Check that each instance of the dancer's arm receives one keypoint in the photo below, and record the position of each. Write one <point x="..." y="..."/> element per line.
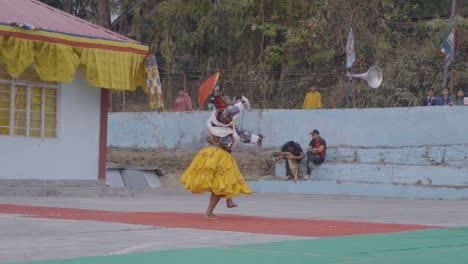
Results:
<point x="248" y="137"/>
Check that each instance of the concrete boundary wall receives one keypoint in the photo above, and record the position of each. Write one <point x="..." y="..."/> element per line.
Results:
<point x="419" y="152"/>
<point x="387" y="127"/>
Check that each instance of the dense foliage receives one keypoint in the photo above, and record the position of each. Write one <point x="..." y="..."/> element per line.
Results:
<point x="268" y="49"/>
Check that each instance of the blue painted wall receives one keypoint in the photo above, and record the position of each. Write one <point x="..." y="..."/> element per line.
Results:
<point x="419" y="152"/>
<point x="153" y="130"/>
<point x="417" y="126"/>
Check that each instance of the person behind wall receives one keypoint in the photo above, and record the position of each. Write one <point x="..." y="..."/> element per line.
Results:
<point x="293" y="154"/>
<point x="211" y="105"/>
<point x="213" y="169"/>
<point x="458" y="100"/>
<point x="316" y="151"/>
<point x="183" y="102"/>
<point x="313" y="99"/>
<point x="429" y="99"/>
<point x="445" y="99"/>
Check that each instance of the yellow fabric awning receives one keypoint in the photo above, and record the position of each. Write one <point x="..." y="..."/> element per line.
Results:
<point x="55" y="56"/>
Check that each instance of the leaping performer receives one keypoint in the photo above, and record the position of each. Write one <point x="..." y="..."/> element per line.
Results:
<point x="214" y="169"/>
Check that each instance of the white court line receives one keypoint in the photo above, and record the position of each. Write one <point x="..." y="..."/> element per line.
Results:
<point x="10" y="216"/>
<point x="145" y="245"/>
<point x="198" y="240"/>
<point x="133" y="248"/>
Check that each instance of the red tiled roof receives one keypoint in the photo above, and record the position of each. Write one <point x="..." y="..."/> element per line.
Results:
<point x="41" y="15"/>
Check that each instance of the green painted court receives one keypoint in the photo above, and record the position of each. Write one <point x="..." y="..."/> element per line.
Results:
<point x="423" y="246"/>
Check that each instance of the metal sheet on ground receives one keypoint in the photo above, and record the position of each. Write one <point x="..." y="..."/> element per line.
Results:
<point x="134" y="179"/>
<point x="152" y="179"/>
<point x="114" y="178"/>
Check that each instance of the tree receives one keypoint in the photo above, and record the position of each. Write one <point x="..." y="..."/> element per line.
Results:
<point x="68" y="6"/>
<point x="103" y="13"/>
<point x="271" y="48"/>
<point x="85" y="9"/>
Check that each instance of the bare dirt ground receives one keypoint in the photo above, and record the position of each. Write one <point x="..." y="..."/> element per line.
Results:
<point x="254" y="164"/>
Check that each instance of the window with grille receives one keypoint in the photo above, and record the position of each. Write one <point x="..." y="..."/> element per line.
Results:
<point x="28" y="108"/>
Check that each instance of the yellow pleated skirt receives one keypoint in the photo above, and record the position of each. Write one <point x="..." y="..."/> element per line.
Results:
<point x="214" y="170"/>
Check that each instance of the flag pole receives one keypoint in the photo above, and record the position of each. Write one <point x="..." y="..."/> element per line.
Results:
<point x="350" y="58"/>
<point x="444" y="82"/>
<point x="446" y="66"/>
<point x="452" y="15"/>
<point x="452" y="80"/>
<point x="353" y="89"/>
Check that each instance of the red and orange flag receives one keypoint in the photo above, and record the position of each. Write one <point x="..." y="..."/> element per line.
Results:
<point x="206" y="87"/>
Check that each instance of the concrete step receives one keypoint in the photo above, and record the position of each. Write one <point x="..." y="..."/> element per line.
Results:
<point x="322" y="187"/>
<point x="64" y="191"/>
<point x="449" y="155"/>
<point x="385" y="173"/>
<point x="51" y="183"/>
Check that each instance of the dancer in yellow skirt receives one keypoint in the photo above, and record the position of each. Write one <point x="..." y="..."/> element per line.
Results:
<point x="214" y="169"/>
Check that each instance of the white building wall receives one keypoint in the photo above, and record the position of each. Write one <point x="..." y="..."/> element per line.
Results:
<point x="74" y="155"/>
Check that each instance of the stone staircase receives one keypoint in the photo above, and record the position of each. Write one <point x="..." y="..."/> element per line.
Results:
<point x="410" y="172"/>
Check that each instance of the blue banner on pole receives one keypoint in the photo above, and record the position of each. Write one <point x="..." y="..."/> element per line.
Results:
<point x="448" y="46"/>
<point x="350" y="52"/>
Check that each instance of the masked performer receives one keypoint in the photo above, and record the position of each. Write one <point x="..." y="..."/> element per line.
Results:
<point x="214" y="169"/>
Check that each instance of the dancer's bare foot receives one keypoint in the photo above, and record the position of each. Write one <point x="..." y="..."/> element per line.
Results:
<point x="230" y="203"/>
<point x="211" y="217"/>
<point x="214" y="199"/>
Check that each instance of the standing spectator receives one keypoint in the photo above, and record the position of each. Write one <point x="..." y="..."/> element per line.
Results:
<point x="313" y="99"/>
<point x="429" y="99"/>
<point x="292" y="153"/>
<point x="458" y="100"/>
<point x="445" y="99"/>
<point x="316" y="151"/>
<point x="183" y="102"/>
<point x="211" y="105"/>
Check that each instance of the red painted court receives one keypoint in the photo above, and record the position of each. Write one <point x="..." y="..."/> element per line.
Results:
<point x="250" y="224"/>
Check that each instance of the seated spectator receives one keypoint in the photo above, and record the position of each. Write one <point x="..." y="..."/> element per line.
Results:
<point x="445" y="99"/>
<point x="458" y="100"/>
<point x="183" y="102"/>
<point x="313" y="99"/>
<point x="292" y="153"/>
<point x="316" y="151"/>
<point x="429" y="99"/>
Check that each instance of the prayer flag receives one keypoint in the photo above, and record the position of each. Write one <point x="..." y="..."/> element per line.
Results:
<point x="448" y="46"/>
<point x="153" y="83"/>
<point x="350" y="53"/>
